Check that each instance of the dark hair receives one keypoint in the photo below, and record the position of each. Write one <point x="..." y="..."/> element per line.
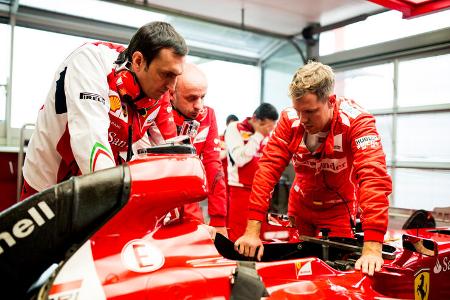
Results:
<point x="232" y="118"/>
<point x="266" y="111"/>
<point x="151" y="38"/>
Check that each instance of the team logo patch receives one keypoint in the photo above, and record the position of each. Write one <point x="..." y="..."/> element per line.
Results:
<point x="142" y="256"/>
<point x="422" y="285"/>
<point x="303" y="268"/>
<point x="368" y="141"/>
<point x="114" y="103"/>
<point x="93" y="97"/>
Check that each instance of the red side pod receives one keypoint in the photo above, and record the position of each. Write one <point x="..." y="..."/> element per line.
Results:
<point x="159" y="183"/>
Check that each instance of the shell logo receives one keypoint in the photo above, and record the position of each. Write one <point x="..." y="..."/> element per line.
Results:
<point x="114" y="103"/>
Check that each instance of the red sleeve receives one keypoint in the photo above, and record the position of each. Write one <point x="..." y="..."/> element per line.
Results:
<point x="275" y="158"/>
<point x="164" y="120"/>
<point x="217" y="200"/>
<point x="374" y="183"/>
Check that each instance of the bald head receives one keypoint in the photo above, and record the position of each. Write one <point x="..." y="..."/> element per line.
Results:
<point x="190" y="90"/>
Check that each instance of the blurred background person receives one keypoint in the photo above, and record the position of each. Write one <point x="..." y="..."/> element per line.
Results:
<point x="245" y="142"/>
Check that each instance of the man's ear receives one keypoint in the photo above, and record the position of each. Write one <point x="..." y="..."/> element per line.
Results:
<point x="137" y="61"/>
<point x="331" y="100"/>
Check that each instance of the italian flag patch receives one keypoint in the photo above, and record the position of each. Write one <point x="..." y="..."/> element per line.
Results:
<point x="99" y="153"/>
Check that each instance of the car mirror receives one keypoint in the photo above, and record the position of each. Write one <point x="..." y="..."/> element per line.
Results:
<point x="420" y="245"/>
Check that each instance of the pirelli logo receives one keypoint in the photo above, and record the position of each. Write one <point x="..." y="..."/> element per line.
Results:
<point x="92" y="97"/>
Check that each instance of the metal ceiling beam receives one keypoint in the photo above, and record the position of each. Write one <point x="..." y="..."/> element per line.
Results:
<point x="176" y="12"/>
<point x="35" y="18"/>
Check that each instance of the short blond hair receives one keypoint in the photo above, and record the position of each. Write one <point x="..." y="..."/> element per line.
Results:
<point x="314" y="77"/>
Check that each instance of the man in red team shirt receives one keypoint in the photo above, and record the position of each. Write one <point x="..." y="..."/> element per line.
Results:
<point x="339" y="163"/>
<point x="187" y="103"/>
<point x="104" y="100"/>
<point x="245" y="141"/>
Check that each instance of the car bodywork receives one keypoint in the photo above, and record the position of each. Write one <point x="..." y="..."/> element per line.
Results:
<point x="108" y="235"/>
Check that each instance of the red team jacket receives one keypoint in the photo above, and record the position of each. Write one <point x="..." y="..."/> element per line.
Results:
<point x="207" y="145"/>
<point x="349" y="165"/>
<point x="85" y="123"/>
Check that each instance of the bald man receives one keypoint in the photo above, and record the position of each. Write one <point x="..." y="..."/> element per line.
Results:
<point x="187" y="103"/>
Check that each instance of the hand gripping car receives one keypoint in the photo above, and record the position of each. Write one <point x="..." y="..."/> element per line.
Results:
<point x="106" y="235"/>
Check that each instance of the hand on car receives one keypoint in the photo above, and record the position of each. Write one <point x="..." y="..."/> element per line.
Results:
<point x="371" y="259"/>
<point x="250" y="244"/>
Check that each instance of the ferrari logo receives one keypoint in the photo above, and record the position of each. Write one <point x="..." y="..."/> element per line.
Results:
<point x="114" y="103"/>
<point x="422" y="285"/>
<point x="303" y="268"/>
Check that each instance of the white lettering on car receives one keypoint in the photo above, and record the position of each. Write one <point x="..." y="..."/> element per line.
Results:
<point x="444" y="267"/>
<point x="24" y="227"/>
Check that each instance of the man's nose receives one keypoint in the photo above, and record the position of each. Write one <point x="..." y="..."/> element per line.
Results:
<point x="198" y="104"/>
<point x="303" y="118"/>
<point x="170" y="84"/>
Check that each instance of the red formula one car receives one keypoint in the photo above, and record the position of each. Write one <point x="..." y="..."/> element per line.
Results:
<point x="109" y="235"/>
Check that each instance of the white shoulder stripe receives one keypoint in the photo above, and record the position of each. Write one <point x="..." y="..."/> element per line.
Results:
<point x="351" y="111"/>
<point x="345" y="120"/>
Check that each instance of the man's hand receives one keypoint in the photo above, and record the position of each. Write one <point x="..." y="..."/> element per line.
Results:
<point x="222" y="230"/>
<point x="371" y="259"/>
<point x="263" y="126"/>
<point x="250" y="241"/>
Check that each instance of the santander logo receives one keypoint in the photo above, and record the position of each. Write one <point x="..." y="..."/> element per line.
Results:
<point x="444" y="267"/>
<point x="437" y="268"/>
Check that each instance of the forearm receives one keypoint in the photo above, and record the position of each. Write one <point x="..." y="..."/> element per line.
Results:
<point x="374" y="248"/>
<point x="271" y="166"/>
<point x="253" y="228"/>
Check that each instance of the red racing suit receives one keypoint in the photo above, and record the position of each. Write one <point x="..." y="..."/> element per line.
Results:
<point x="245" y="149"/>
<point x="349" y="168"/>
<point x="207" y="146"/>
<point x="85" y="125"/>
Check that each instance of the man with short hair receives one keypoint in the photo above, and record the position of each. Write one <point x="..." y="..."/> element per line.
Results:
<point x="245" y="142"/>
<point x="103" y="100"/>
<point x="187" y="103"/>
<point x="339" y="163"/>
